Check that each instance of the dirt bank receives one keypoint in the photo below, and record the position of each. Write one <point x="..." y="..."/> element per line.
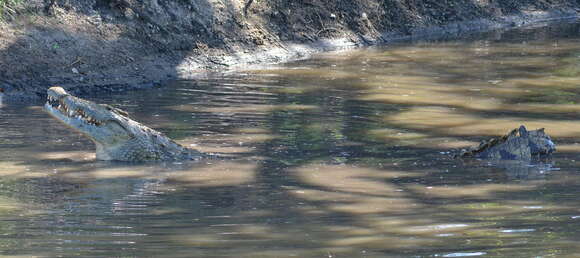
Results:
<point x="90" y="46"/>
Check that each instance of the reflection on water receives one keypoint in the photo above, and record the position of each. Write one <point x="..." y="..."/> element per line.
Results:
<point x="343" y="155"/>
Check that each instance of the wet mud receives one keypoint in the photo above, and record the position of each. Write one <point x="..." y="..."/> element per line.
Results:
<point x="100" y="46"/>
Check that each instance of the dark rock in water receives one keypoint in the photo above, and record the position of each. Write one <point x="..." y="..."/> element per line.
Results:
<point x="519" y="144"/>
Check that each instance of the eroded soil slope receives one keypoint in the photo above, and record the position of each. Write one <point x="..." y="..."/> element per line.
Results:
<point x="92" y="45"/>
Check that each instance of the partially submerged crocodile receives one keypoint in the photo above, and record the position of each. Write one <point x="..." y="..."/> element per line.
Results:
<point x="519" y="144"/>
<point x="116" y="136"/>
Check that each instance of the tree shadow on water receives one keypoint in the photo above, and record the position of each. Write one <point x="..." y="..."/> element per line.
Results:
<point x="323" y="184"/>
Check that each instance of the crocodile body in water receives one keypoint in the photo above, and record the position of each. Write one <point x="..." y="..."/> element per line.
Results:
<point x="519" y="144"/>
<point x="116" y="136"/>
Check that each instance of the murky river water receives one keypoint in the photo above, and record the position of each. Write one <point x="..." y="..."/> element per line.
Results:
<point x="343" y="155"/>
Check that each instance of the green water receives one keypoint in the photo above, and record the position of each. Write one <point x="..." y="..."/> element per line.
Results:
<point x="342" y="155"/>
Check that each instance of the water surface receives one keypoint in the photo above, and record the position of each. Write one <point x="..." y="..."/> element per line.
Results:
<point x="342" y="155"/>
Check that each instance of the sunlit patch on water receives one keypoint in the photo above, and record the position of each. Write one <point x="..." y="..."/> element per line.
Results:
<point x="438" y="227"/>
<point x="343" y="155"/>
<point x="517" y="230"/>
<point x="461" y="254"/>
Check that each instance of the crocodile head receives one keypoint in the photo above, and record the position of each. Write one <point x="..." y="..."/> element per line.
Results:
<point x="116" y="136"/>
<point x="540" y="142"/>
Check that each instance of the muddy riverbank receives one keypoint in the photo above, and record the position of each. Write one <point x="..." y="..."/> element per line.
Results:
<point x="93" y="46"/>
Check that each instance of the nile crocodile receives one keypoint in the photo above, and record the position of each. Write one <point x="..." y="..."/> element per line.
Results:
<point x="519" y="144"/>
<point x="116" y="136"/>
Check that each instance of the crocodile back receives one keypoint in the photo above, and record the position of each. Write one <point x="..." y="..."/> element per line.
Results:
<point x="519" y="144"/>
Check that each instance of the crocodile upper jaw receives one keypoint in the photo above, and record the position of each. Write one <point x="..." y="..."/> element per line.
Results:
<point x="95" y="121"/>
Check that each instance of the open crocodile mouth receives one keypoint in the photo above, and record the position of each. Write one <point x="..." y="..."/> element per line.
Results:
<point x="59" y="105"/>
